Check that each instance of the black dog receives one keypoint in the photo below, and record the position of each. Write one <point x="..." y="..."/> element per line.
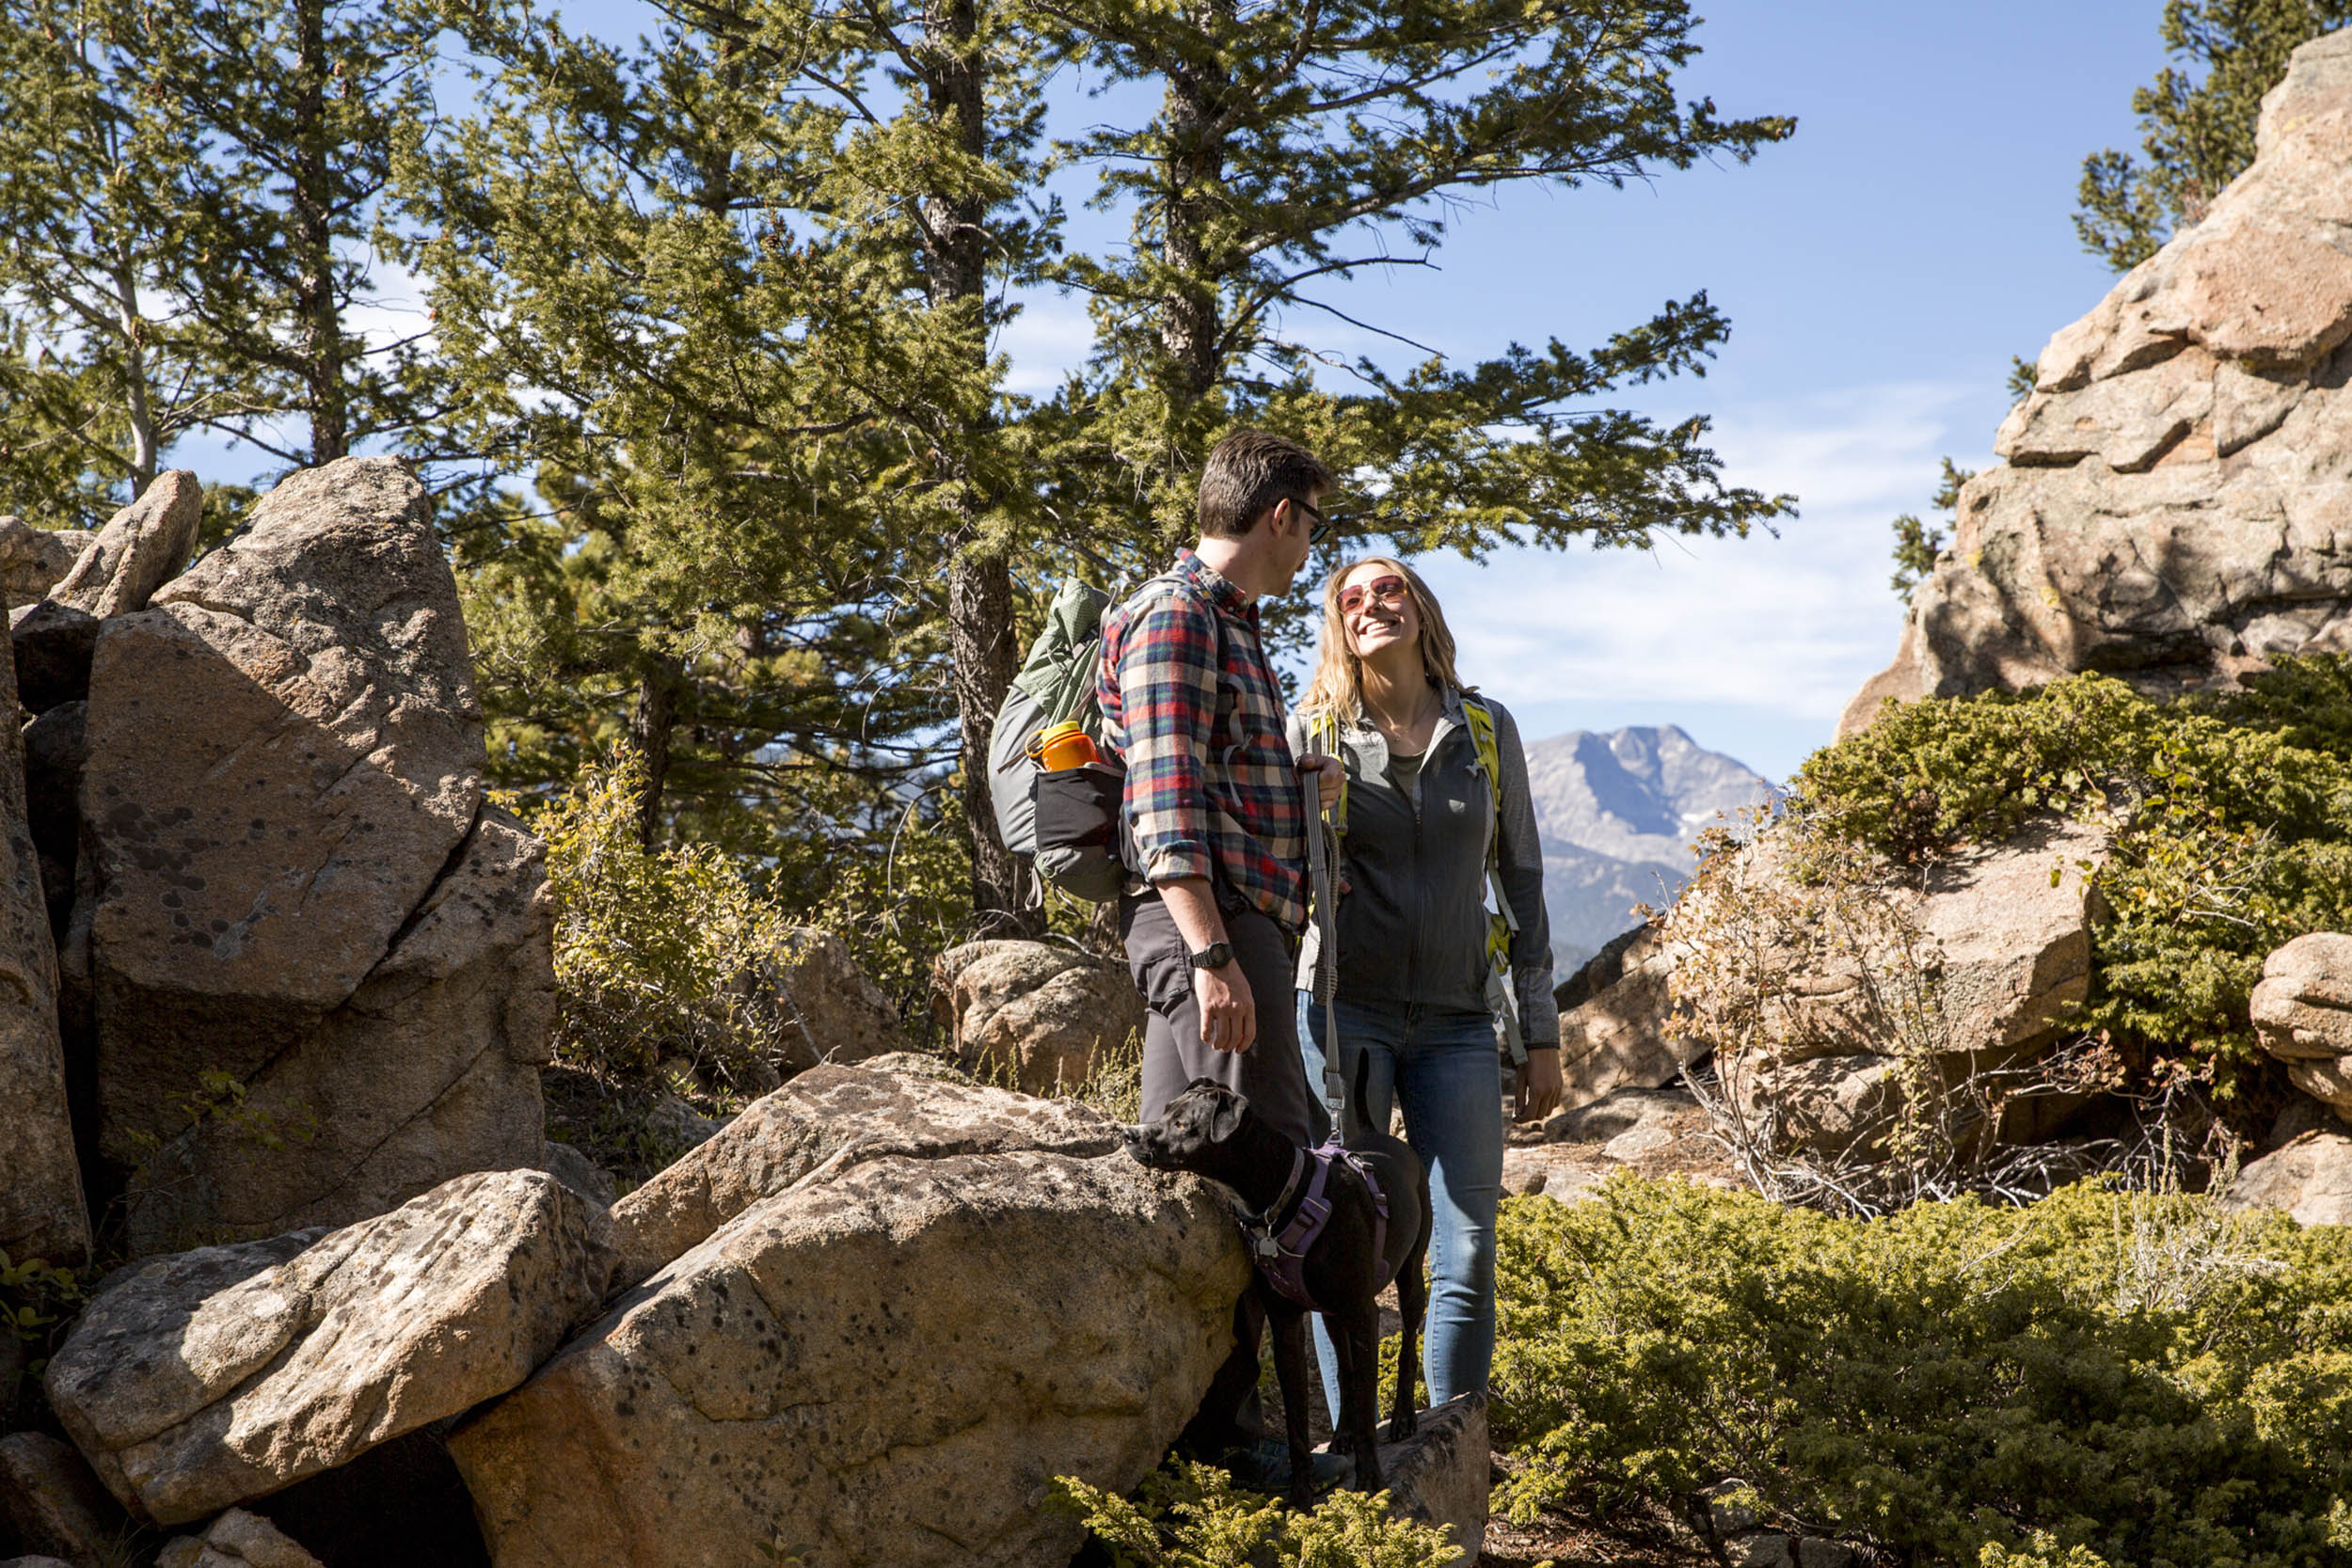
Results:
<point x="1211" y="1130"/>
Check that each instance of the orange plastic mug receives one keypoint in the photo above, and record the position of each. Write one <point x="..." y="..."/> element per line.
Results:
<point x="1066" y="745"/>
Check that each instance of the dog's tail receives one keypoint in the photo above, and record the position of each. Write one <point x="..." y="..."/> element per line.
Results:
<point x="1357" y="1124"/>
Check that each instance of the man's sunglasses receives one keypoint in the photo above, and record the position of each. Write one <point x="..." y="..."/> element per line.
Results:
<point x="1325" y="527"/>
<point x="1388" y="590"/>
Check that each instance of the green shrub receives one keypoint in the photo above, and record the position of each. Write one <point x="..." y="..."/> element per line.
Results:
<point x="2133" y="1376"/>
<point x="657" y="951"/>
<point x="1189" y="1516"/>
<point x="2232" y="821"/>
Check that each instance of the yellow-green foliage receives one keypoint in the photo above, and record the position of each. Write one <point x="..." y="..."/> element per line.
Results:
<point x="657" y="953"/>
<point x="2135" y="1376"/>
<point x="1189" y="1516"/>
<point x="2234" y="822"/>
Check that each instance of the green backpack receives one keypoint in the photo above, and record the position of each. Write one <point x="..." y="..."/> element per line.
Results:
<point x="1079" y="849"/>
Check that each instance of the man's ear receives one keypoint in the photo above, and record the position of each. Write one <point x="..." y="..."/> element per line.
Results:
<point x="1231" y="1108"/>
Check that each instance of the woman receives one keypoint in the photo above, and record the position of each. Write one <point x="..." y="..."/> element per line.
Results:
<point x="1421" y="823"/>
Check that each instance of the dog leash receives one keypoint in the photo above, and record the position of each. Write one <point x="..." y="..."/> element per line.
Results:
<point x="1281" y="1257"/>
<point x="1323" y="853"/>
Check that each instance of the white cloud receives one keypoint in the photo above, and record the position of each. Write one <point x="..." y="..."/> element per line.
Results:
<point x="1049" y="338"/>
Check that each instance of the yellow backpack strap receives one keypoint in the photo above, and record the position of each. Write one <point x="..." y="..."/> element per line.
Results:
<point x="1502" y="924"/>
<point x="1324" y="729"/>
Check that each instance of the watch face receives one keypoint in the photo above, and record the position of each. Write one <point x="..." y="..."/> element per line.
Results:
<point x="1215" y="955"/>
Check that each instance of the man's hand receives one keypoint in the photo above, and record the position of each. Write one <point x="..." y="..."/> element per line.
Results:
<point x="1539" y="1084"/>
<point x="1329" y="776"/>
<point x="1229" y="1014"/>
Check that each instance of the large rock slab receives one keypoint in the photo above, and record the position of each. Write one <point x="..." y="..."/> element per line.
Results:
<point x="224" y="1375"/>
<point x="885" y="1365"/>
<point x="142" y="546"/>
<point x="2311" y="1180"/>
<point x="1621" y="1034"/>
<point x="42" y="1210"/>
<point x="830" y="1118"/>
<point x="2174" y="506"/>
<point x="1976" y="963"/>
<point x="1033" y="1014"/>
<point x="285" y="753"/>
<point x="430" y="1069"/>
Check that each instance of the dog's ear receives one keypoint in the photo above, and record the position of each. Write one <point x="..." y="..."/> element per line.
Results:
<point x="1204" y="1083"/>
<point x="1231" y="1108"/>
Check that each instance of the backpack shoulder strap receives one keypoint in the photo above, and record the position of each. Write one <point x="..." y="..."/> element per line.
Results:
<point x="1502" y="925"/>
<point x="1324" y="729"/>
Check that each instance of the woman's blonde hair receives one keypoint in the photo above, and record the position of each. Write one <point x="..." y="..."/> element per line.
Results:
<point x="1338" y="685"/>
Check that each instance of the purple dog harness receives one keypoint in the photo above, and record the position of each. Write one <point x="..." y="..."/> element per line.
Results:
<point x="1282" y="1256"/>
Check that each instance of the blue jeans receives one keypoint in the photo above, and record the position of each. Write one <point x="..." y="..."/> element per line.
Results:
<point x="1442" y="1065"/>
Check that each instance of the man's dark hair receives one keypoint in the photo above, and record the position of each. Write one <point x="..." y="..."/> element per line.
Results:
<point x="1250" y="472"/>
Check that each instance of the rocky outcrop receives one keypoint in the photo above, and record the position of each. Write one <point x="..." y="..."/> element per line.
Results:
<point x="142" y="546"/>
<point x="2172" y="509"/>
<point x="237" y="1540"/>
<point x="886" y="1362"/>
<point x="1655" y="1133"/>
<point x="1033" y="1014"/>
<point x="42" y="1210"/>
<point x="312" y="968"/>
<point x="825" y="1119"/>
<point x="1976" y="963"/>
<point x="224" y="1375"/>
<point x="836" y="1012"/>
<point x="2309" y="1180"/>
<point x="33" y="560"/>
<point x="2302" y="1011"/>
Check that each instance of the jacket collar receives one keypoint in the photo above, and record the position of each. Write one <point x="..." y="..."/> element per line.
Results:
<point x="1213" y="586"/>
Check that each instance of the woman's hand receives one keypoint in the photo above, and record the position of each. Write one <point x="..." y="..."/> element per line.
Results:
<point x="1329" y="775"/>
<point x="1539" y="1084"/>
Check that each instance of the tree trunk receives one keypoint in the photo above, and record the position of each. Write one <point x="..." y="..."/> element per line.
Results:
<point x="980" y="634"/>
<point x="318" y="317"/>
<point x="650" y="723"/>
<point x="1196" y="101"/>
<point x="981" y="641"/>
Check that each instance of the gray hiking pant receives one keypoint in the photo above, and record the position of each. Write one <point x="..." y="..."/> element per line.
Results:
<point x="1270" y="1074"/>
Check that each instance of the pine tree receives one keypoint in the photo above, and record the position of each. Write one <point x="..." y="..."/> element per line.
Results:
<point x="2196" y="124"/>
<point x="97" y="374"/>
<point x="712" y="560"/>
<point x="194" y="197"/>
<point x="1294" y="149"/>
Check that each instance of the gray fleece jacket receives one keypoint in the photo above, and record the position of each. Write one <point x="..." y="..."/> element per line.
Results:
<point x="1412" y="925"/>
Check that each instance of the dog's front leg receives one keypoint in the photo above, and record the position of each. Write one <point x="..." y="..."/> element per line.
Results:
<point x="1289" y="1323"/>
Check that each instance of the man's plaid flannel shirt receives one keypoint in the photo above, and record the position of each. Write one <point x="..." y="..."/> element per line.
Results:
<point x="1190" y="703"/>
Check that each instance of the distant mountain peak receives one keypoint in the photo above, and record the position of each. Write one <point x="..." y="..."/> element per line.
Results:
<point x="1617" y="811"/>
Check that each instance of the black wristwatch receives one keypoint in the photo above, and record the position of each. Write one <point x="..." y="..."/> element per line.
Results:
<point x="1215" y="955"/>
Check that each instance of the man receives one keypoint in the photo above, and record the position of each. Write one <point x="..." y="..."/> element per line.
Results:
<point x="1213" y="801"/>
<point x="1190" y="701"/>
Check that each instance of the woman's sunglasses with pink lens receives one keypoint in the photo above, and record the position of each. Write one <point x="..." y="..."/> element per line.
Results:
<point x="1388" y="589"/>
